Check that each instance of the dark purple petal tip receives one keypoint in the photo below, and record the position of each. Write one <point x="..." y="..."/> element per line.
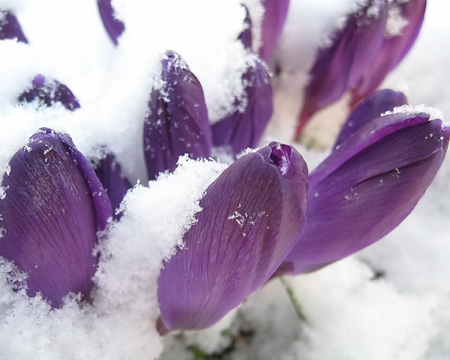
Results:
<point x="49" y="92"/>
<point x="109" y="172"/>
<point x="113" y="26"/>
<point x="51" y="212"/>
<point x="244" y="127"/>
<point x="10" y="27"/>
<point x="275" y="13"/>
<point x="246" y="35"/>
<point x="252" y="216"/>
<point x="178" y="120"/>
<point x="368" y="186"/>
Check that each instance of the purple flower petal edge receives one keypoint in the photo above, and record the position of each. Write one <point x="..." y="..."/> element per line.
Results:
<point x="113" y="26"/>
<point x="10" y="27"/>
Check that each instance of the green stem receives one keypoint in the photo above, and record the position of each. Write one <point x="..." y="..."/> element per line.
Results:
<point x="293" y="299"/>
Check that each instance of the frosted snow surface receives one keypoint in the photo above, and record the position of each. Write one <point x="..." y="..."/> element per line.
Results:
<point x="388" y="302"/>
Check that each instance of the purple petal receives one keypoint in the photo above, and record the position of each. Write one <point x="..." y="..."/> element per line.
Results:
<point x="242" y="130"/>
<point x="394" y="48"/>
<point x="369" y="109"/>
<point x="53" y="207"/>
<point x="109" y="173"/>
<point x="48" y="92"/>
<point x="10" y="27"/>
<point x="246" y="36"/>
<point x="252" y="216"/>
<point x="339" y="67"/>
<point x="178" y="121"/>
<point x="113" y="26"/>
<point x="359" y="198"/>
<point x="272" y="25"/>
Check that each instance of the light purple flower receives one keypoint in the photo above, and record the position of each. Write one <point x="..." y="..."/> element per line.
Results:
<point x="113" y="26"/>
<point x="53" y="207"/>
<point x="368" y="186"/>
<point x="48" y="92"/>
<point x="272" y="25"/>
<point x="178" y="120"/>
<point x="372" y="42"/>
<point x="251" y="217"/>
<point x="243" y="128"/>
<point x="10" y="27"/>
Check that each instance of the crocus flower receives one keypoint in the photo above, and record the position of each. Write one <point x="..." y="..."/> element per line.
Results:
<point x="275" y="13"/>
<point x="113" y="26"/>
<point x="403" y="28"/>
<point x="48" y="92"/>
<point x="244" y="128"/>
<point x="367" y="186"/>
<point x="10" y="27"/>
<point x="368" y="47"/>
<point x="252" y="216"/>
<point x="178" y="120"/>
<point x="109" y="172"/>
<point x="53" y="206"/>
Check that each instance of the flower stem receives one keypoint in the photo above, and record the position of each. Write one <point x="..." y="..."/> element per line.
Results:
<point x="293" y="299"/>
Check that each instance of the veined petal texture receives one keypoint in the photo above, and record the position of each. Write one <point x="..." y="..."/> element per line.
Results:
<point x="53" y="207"/>
<point x="243" y="129"/>
<point x="48" y="92"/>
<point x="403" y="26"/>
<point x="252" y="216"/>
<point x="340" y="66"/>
<point x="10" y="27"/>
<point x="114" y="27"/>
<point x="109" y="172"/>
<point x="272" y="25"/>
<point x="370" y="108"/>
<point x="368" y="186"/>
<point x="178" y="120"/>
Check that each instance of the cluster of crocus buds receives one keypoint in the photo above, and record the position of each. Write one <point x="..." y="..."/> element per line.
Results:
<point x="372" y="42"/>
<point x="264" y="215"/>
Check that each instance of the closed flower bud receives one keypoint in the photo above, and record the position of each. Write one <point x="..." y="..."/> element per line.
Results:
<point x="368" y="186"/>
<point x="114" y="27"/>
<point x="244" y="127"/>
<point x="275" y="13"/>
<point x="10" y="27"/>
<point x="49" y="92"/>
<point x="251" y="217"/>
<point x="53" y="206"/>
<point x="178" y="120"/>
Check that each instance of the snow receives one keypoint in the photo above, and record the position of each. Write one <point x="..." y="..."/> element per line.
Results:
<point x="388" y="302"/>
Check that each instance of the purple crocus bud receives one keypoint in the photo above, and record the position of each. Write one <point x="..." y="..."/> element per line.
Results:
<point x="252" y="216"/>
<point x="272" y="25"/>
<point x="48" y="92"/>
<point x="243" y="128"/>
<point x="109" y="173"/>
<point x="178" y="121"/>
<point x="113" y="26"/>
<point x="406" y="18"/>
<point x="53" y="207"/>
<point x="340" y="66"/>
<point x="10" y="27"/>
<point x="246" y="36"/>
<point x="367" y="187"/>
<point x="370" y="108"/>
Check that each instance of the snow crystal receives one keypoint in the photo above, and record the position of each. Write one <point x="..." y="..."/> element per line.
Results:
<point x="418" y="109"/>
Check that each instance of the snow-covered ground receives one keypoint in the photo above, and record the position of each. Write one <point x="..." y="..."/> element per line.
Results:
<point x="391" y="301"/>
